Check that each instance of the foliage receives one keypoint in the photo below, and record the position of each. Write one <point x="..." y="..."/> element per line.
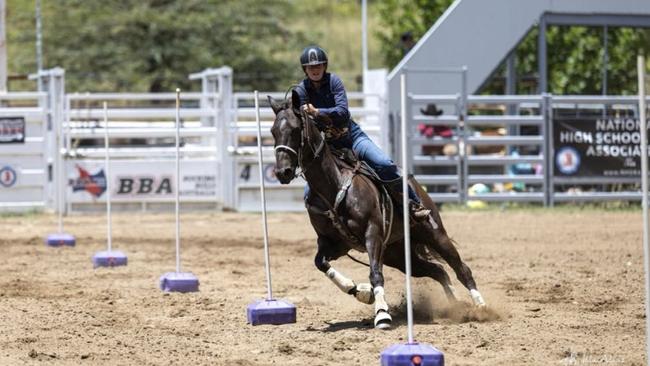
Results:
<point x="400" y="16"/>
<point x="575" y="54"/>
<point x="152" y="45"/>
<point x="575" y="60"/>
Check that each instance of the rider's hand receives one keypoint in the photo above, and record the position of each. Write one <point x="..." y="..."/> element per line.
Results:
<point x="310" y="109"/>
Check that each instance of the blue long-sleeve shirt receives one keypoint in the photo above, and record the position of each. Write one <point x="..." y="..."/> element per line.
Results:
<point x="331" y="100"/>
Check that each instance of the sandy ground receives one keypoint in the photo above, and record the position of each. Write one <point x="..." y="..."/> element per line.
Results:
<point x="567" y="286"/>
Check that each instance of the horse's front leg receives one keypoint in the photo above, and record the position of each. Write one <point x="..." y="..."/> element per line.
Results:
<point x="362" y="292"/>
<point x="375" y="249"/>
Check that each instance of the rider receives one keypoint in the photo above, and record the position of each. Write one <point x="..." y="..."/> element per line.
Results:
<point x="322" y="93"/>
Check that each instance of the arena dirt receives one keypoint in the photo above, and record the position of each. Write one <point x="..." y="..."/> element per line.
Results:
<point x="564" y="287"/>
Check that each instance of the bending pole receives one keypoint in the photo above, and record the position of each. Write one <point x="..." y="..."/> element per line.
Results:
<point x="267" y="260"/>
<point x="411" y="353"/>
<point x="178" y="281"/>
<point x="108" y="181"/>
<point x="644" y="192"/>
<point x="364" y="41"/>
<point x="61" y="180"/>
<point x="269" y="311"/>
<point x="108" y="258"/>
<point x="178" y="180"/>
<point x="405" y="210"/>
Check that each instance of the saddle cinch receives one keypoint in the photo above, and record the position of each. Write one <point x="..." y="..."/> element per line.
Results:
<point x="390" y="194"/>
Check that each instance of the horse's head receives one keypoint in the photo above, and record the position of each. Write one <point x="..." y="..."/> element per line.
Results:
<point x="287" y="133"/>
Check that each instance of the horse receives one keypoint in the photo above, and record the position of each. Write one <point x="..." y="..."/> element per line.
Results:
<point x="348" y="210"/>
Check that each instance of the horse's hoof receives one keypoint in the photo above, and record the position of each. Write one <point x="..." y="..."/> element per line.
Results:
<point x="364" y="293"/>
<point x="383" y="320"/>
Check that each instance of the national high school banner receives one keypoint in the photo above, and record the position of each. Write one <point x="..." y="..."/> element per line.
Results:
<point x="597" y="147"/>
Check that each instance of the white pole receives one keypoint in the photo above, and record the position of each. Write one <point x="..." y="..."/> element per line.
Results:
<point x="60" y="161"/>
<point x="267" y="259"/>
<point x="39" y="38"/>
<point x="364" y="39"/>
<point x="3" y="47"/>
<point x="405" y="210"/>
<point x="644" y="189"/>
<point x="61" y="180"/>
<point x="178" y="179"/>
<point x="107" y="164"/>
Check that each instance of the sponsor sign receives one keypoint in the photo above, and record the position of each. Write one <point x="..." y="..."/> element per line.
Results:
<point x="142" y="180"/>
<point x="269" y="174"/>
<point x="12" y="130"/>
<point x="8" y="176"/>
<point x="597" y="147"/>
<point x="93" y="184"/>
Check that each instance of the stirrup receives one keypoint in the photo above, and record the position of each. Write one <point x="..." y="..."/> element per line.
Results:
<point x="419" y="212"/>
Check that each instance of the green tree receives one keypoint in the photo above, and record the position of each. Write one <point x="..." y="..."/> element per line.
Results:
<point x="400" y="16"/>
<point x="152" y="45"/>
<point x="575" y="60"/>
<point x="575" y="54"/>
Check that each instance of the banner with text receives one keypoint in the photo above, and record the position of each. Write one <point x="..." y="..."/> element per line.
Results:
<point x="141" y="180"/>
<point x="12" y="130"/>
<point x="597" y="147"/>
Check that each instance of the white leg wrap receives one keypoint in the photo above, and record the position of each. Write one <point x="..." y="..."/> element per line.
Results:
<point x="382" y="317"/>
<point x="342" y="282"/>
<point x="477" y="298"/>
<point x="380" y="301"/>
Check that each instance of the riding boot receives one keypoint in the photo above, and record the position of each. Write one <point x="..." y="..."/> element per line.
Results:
<point x="418" y="212"/>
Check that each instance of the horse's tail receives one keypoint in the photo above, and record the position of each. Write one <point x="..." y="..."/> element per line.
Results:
<point x="423" y="248"/>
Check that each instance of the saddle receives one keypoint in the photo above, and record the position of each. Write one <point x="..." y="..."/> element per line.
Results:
<point x="346" y="159"/>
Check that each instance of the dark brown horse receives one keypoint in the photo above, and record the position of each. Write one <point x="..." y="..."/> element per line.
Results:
<point x="348" y="211"/>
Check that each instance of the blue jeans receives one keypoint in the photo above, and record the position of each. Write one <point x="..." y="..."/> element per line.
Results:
<point x="367" y="151"/>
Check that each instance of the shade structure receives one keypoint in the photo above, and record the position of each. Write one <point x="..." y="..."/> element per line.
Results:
<point x="271" y="312"/>
<point x="412" y="354"/>
<point x="60" y="239"/>
<point x="109" y="258"/>
<point x="179" y="282"/>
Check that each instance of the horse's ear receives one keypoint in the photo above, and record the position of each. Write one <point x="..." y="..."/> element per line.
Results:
<point x="295" y="100"/>
<point x="274" y="105"/>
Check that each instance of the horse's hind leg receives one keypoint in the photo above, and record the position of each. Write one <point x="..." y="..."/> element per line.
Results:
<point x="422" y="268"/>
<point x="444" y="246"/>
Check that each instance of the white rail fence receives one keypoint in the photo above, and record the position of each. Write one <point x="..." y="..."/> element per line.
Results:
<point x="61" y="154"/>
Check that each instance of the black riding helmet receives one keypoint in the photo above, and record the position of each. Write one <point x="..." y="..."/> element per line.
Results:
<point x="313" y="55"/>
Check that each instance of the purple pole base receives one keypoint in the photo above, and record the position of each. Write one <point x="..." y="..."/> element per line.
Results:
<point x="412" y="354"/>
<point x="109" y="258"/>
<point x="179" y="282"/>
<point x="60" y="239"/>
<point x="271" y="312"/>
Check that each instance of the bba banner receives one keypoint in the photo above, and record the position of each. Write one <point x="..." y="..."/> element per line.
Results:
<point x="141" y="180"/>
<point x="597" y="147"/>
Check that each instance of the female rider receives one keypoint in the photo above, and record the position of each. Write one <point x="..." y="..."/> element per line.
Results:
<point x="322" y="93"/>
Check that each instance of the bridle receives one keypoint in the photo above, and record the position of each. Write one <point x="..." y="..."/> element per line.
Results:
<point x="305" y="140"/>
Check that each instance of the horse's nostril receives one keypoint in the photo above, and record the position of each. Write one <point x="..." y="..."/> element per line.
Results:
<point x="286" y="171"/>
